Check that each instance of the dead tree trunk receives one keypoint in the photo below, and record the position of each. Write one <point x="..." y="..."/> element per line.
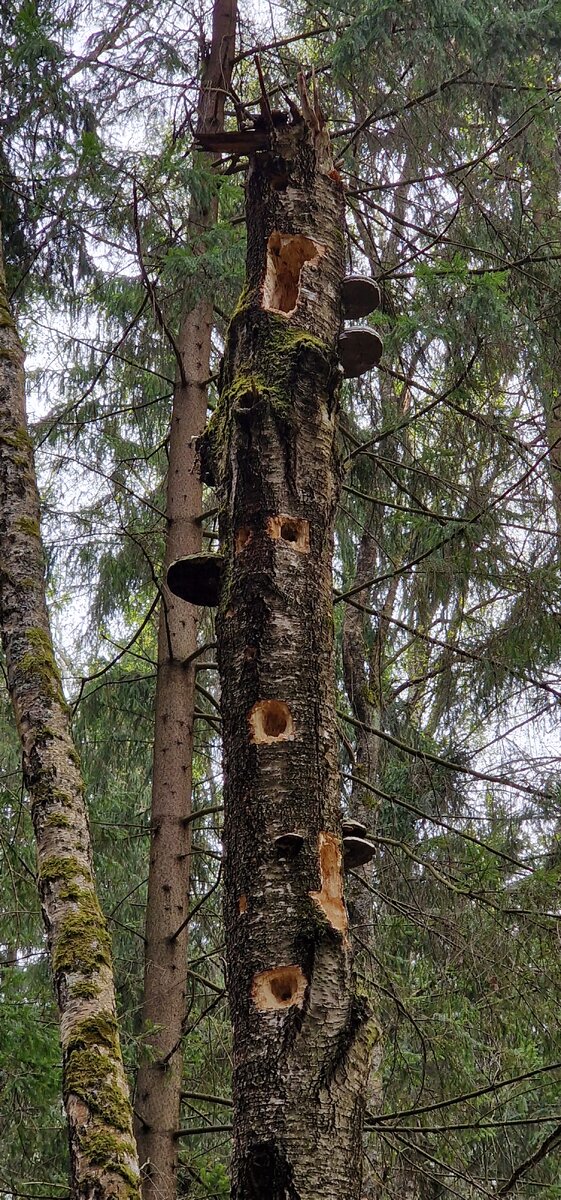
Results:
<point x="302" y="1030"/>
<point x="158" y="1093"/>
<point x="102" y="1150"/>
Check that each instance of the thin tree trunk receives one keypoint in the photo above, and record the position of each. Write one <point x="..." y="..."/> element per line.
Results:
<point x="102" y="1149"/>
<point x="363" y="687"/>
<point x="362" y="673"/>
<point x="545" y="218"/>
<point x="158" y="1093"/>
<point x="302" y="1030"/>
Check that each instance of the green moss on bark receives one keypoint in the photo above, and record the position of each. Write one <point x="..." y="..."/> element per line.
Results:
<point x="58" y="820"/>
<point x="19" y="439"/>
<point x="40" y="662"/>
<point x="70" y="891"/>
<point x="30" y="526"/>
<point x="284" y="338"/>
<point x="58" y="796"/>
<point x="83" y="943"/>
<point x="109" y="1151"/>
<point x="282" y="346"/>
<point x="62" y="867"/>
<point x="92" y="1075"/>
<point x="6" y="322"/>
<point x="69" y="871"/>
<point x="84" y="989"/>
<point x="99" y="1029"/>
<point x="244" y="301"/>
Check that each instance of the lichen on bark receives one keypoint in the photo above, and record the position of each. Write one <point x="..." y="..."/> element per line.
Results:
<point x="94" y="1083"/>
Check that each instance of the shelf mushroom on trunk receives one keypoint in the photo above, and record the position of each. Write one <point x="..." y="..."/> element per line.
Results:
<point x="359" y="297"/>
<point x="360" y="347"/>
<point x="196" y="578"/>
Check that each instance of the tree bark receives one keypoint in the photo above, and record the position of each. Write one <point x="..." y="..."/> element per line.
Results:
<point x="302" y="1029"/>
<point x="158" y="1092"/>
<point x="362" y="674"/>
<point x="102" y="1150"/>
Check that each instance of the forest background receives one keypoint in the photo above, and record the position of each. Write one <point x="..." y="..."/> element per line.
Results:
<point x="445" y="120"/>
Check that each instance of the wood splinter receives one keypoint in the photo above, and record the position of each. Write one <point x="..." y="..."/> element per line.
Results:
<point x="330" y="898"/>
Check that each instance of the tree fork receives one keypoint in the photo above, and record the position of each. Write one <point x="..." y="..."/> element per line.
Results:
<point x="302" y="1030"/>
<point x="103" y="1158"/>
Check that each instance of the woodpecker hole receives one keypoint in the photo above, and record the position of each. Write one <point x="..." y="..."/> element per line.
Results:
<point x="330" y="898"/>
<point x="286" y="257"/>
<point x="289" y="531"/>
<point x="282" y="989"/>
<point x="243" y="538"/>
<point x="295" y="531"/>
<point x="271" y="721"/>
<point x="242" y="905"/>
<point x="279" y="988"/>
<point x="248" y="402"/>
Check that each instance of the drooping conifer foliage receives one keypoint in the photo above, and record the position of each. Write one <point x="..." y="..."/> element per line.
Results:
<point x="445" y="126"/>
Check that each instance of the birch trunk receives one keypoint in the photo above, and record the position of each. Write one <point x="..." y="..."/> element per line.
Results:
<point x="159" y="1081"/>
<point x="302" y="1030"/>
<point x="102" y="1150"/>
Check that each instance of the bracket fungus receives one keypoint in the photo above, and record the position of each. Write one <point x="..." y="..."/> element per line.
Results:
<point x="359" y="350"/>
<point x="197" y="578"/>
<point x="359" y="297"/>
<point x="352" y="828"/>
<point x="287" y="845"/>
<point x="357" y="851"/>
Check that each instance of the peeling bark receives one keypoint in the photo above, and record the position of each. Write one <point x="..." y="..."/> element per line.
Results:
<point x="102" y="1149"/>
<point x="159" y="1081"/>
<point x="302" y="1028"/>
